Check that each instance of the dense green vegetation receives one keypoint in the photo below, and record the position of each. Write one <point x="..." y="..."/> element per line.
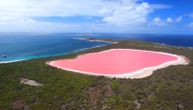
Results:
<point x="167" y="89"/>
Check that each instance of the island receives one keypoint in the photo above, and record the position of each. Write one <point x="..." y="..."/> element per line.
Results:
<point x="167" y="88"/>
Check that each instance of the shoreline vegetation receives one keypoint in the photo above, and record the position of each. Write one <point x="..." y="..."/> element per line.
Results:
<point x="168" y="88"/>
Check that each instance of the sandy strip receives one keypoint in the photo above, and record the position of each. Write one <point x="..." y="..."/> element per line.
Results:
<point x="96" y="40"/>
<point x="5" y="62"/>
<point x="181" y="60"/>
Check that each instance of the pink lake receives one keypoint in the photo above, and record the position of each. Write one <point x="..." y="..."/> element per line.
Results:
<point x="114" y="61"/>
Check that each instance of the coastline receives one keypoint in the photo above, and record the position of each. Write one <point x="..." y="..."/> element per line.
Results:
<point x="171" y="82"/>
<point x="83" y="49"/>
<point x="55" y="55"/>
<point x="96" y="40"/>
<point x="5" y="62"/>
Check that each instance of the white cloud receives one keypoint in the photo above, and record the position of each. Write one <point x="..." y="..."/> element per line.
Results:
<point x="113" y="11"/>
<point x="33" y="27"/>
<point x="169" y="20"/>
<point x="17" y="20"/>
<point x="48" y="7"/>
<point x="127" y="12"/>
<point x="158" y="21"/>
<point x="161" y="22"/>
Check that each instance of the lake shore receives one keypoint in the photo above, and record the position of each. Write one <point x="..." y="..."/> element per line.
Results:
<point x="141" y="73"/>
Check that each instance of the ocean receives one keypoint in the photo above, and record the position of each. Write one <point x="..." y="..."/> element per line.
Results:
<point x="17" y="47"/>
<point x="25" y="46"/>
<point x="174" y="40"/>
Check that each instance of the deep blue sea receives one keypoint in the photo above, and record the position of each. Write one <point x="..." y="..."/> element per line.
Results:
<point x="24" y="46"/>
<point x="175" y="40"/>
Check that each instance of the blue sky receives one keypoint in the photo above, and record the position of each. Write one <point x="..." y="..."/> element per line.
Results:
<point x="95" y="16"/>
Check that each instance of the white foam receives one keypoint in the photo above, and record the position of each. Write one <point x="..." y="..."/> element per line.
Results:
<point x="4" y="62"/>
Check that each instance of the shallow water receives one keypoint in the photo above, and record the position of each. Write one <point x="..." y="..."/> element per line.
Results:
<point x="15" y="47"/>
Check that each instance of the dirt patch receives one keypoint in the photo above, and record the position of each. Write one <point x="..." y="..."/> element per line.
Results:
<point x="18" y="105"/>
<point x="30" y="82"/>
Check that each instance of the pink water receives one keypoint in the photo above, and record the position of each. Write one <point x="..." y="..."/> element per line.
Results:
<point x="113" y="62"/>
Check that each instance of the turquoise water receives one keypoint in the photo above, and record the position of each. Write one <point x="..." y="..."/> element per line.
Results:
<point x="16" y="47"/>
